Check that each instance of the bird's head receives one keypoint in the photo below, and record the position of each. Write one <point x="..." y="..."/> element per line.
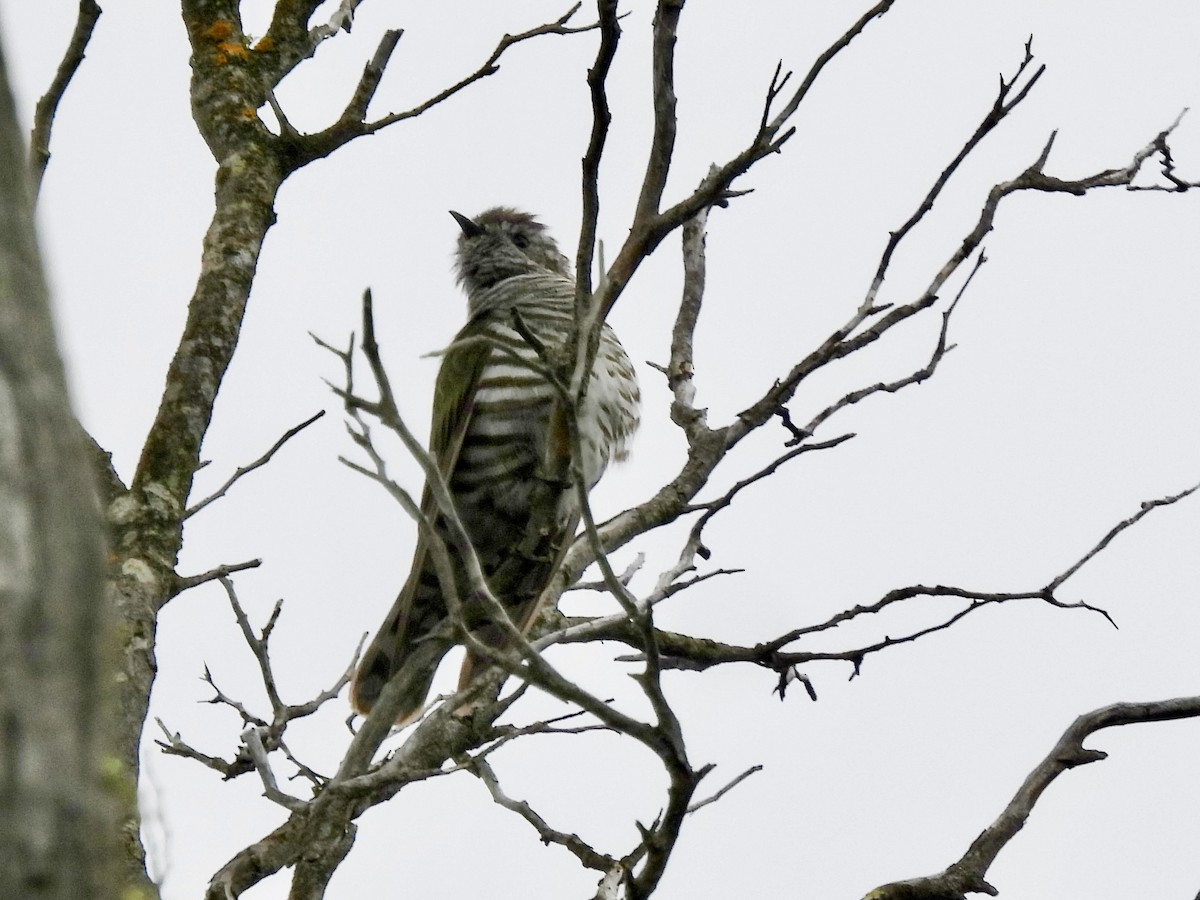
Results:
<point x="503" y="242"/>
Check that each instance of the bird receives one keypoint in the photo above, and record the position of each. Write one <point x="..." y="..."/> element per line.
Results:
<point x="496" y="421"/>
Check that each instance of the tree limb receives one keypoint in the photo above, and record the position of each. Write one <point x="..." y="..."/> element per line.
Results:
<point x="47" y="106"/>
<point x="968" y="874"/>
<point x="247" y="469"/>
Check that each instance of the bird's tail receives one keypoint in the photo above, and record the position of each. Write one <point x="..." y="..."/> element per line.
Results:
<point x="403" y="657"/>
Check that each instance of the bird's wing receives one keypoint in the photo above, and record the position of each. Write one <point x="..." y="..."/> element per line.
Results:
<point x="419" y="606"/>
<point x="453" y="404"/>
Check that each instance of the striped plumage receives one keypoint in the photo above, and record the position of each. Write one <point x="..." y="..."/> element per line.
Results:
<point x="492" y="430"/>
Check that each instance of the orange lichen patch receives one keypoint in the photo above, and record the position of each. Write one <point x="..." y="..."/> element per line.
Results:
<point x="231" y="48"/>
<point x="264" y="45"/>
<point x="249" y="112"/>
<point x="219" y="30"/>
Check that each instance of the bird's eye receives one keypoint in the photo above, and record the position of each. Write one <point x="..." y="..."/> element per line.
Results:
<point x="521" y="241"/>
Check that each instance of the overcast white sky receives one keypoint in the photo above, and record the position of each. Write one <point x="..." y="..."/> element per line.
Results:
<point x="1072" y="396"/>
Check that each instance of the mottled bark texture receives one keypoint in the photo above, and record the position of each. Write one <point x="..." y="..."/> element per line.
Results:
<point x="146" y="522"/>
<point x="61" y="791"/>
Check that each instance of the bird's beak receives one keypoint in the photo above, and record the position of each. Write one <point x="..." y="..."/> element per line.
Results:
<point x="468" y="226"/>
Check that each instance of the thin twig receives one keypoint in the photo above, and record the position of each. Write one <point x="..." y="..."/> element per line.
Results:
<point x="686" y="652"/>
<point x="649" y="228"/>
<point x="47" y="106"/>
<point x="725" y="790"/>
<point x="190" y="581"/>
<point x="587" y="855"/>
<point x="258" y="644"/>
<point x="267" y="734"/>
<point x="174" y="745"/>
<point x="352" y="124"/>
<point x="247" y="469"/>
<point x="625" y="577"/>
<point x="921" y="375"/>
<point x="1146" y="508"/>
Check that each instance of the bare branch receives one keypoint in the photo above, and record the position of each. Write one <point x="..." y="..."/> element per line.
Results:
<point x="352" y="123"/>
<point x="245" y="470"/>
<point x="588" y="856"/>
<point x="252" y="738"/>
<point x="1004" y="103"/>
<point x="47" y="106"/>
<point x="940" y="349"/>
<point x="681" y="369"/>
<point x="282" y="713"/>
<point x="263" y="736"/>
<point x="968" y="874"/>
<point x="708" y="448"/>
<point x="725" y="790"/>
<point x="625" y="577"/>
<point x="610" y="35"/>
<point x="257" y="644"/>
<point x="220" y="698"/>
<point x="841" y="343"/>
<point x="662" y="143"/>
<point x="174" y="745"/>
<point x="190" y="581"/>
<point x="1175" y="183"/>
<point x="713" y="507"/>
<point x="1145" y="509"/>
<point x="341" y="19"/>
<point x="650" y="226"/>
<point x="368" y="84"/>
<point x="679" y="651"/>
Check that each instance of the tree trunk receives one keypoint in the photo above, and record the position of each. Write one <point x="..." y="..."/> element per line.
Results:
<point x="62" y="791"/>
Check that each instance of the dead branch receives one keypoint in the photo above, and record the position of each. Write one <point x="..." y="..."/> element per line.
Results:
<point x="625" y="577"/>
<point x="353" y="123"/>
<point x="848" y="339"/>
<point x="265" y="735"/>
<point x="650" y="226"/>
<point x="186" y="582"/>
<point x="47" y="106"/>
<point x="587" y="855"/>
<point x="597" y="77"/>
<point x="174" y="745"/>
<point x="247" y="469"/>
<point x="968" y="874"/>
<point x="697" y="654"/>
<point x="1146" y="508"/>
<point x="708" y="446"/>
<point x="725" y="790"/>
<point x="941" y="348"/>
<point x="339" y="20"/>
<point x="681" y="370"/>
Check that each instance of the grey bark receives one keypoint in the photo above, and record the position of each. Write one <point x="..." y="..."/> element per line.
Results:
<point x="61" y="797"/>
